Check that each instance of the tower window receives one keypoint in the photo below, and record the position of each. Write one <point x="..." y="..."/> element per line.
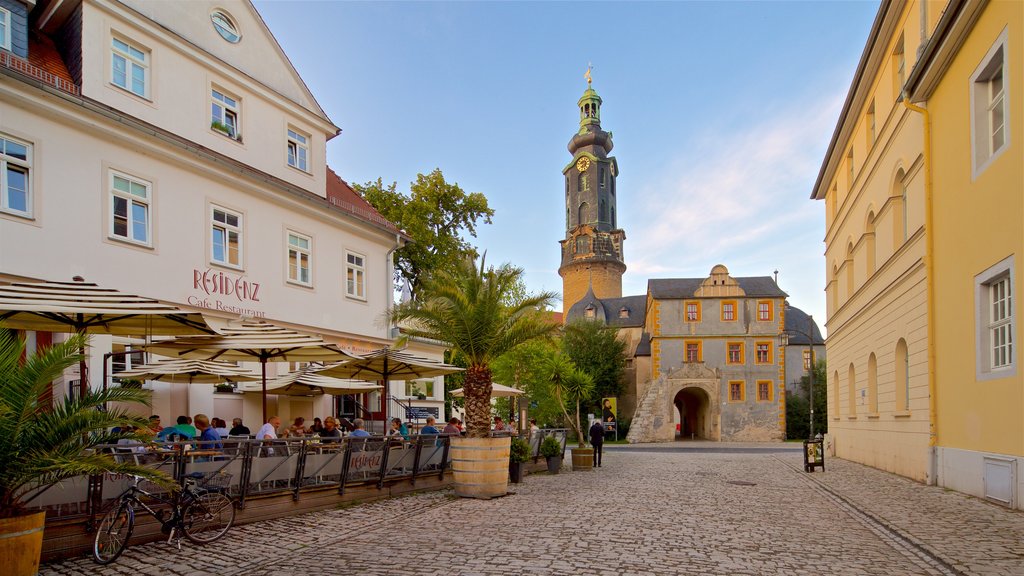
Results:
<point x="582" y="184"/>
<point x="603" y="206"/>
<point x="590" y="311"/>
<point x="624" y="312"/>
<point x="601" y="177"/>
<point x="613" y="217"/>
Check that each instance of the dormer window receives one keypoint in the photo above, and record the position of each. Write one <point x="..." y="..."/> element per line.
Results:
<point x="590" y="311"/>
<point x="224" y="26"/>
<point x="624" y="312"/>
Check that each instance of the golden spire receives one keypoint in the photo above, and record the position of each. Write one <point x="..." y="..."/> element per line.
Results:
<point x="587" y="75"/>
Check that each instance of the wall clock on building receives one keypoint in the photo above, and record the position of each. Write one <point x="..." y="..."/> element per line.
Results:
<point x="582" y="164"/>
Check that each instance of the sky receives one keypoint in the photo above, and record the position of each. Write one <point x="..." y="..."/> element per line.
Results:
<point x="721" y="113"/>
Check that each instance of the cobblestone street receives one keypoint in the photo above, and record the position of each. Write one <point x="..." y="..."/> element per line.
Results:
<point x="646" y="511"/>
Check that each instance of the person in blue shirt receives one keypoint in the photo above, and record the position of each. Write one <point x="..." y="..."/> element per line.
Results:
<point x="430" y="428"/>
<point x="182" y="430"/>
<point x="358" y="431"/>
<point x="209" y="438"/>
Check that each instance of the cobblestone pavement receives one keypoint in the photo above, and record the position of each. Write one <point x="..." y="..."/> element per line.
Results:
<point x="643" y="513"/>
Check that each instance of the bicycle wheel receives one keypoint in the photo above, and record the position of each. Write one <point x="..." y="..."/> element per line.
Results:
<point x="208" y="517"/>
<point x="113" y="533"/>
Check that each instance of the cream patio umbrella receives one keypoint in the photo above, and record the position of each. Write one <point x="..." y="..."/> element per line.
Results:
<point x="254" y="341"/>
<point x="86" y="308"/>
<point x="305" y="383"/>
<point x="385" y="364"/>
<point x="191" y="372"/>
<point x="497" y="391"/>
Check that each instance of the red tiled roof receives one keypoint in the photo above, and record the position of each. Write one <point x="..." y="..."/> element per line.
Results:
<point x="43" y="54"/>
<point x="342" y="196"/>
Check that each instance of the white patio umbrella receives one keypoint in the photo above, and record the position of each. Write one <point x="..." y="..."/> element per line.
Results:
<point x="254" y="341"/>
<point x="385" y="364"/>
<point x="190" y="372"/>
<point x="497" y="391"/>
<point x="304" y="383"/>
<point x="86" y="308"/>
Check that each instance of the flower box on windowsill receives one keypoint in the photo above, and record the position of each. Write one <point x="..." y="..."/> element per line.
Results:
<point x="225" y="130"/>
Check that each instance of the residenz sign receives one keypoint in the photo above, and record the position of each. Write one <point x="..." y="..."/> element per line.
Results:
<point x="217" y="290"/>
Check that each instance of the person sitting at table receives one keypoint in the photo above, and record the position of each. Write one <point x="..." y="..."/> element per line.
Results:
<point x="499" y="424"/>
<point x="154" y="424"/>
<point x="183" y="430"/>
<point x="238" y="429"/>
<point x="430" y="428"/>
<point x="208" y="437"/>
<point x="316" y="427"/>
<point x="220" y="426"/>
<point x="357" y="429"/>
<point x="398" y="429"/>
<point x="131" y="443"/>
<point x="331" y="432"/>
<point x="269" y="432"/>
<point x="452" y="428"/>
<point x="296" y="429"/>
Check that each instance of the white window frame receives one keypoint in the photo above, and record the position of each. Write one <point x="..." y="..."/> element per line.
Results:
<point x="219" y="99"/>
<point x="988" y="323"/>
<point x="225" y="26"/>
<point x="132" y="200"/>
<point x="131" y="62"/>
<point x="227" y="228"/>
<point x="5" y="24"/>
<point x="983" y="103"/>
<point x="359" y="272"/>
<point x="297" y="154"/>
<point x="25" y="166"/>
<point x="299" y="251"/>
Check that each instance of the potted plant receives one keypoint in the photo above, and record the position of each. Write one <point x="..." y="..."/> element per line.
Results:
<point x="44" y="441"/>
<point x="570" y="384"/>
<point x="519" y="453"/>
<point x="480" y="313"/>
<point x="551" y="450"/>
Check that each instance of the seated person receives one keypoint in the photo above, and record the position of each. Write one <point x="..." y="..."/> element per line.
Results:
<point x="209" y="439"/>
<point x="296" y="429"/>
<point x="331" y="432"/>
<point x="237" y="429"/>
<point x="183" y="430"/>
<point x="499" y="424"/>
<point x="398" y="429"/>
<point x="269" y="432"/>
<point x="154" y="424"/>
<point x="452" y="428"/>
<point x="430" y="428"/>
<point x="357" y="429"/>
<point x="316" y="428"/>
<point x="131" y="443"/>
<point x="220" y="426"/>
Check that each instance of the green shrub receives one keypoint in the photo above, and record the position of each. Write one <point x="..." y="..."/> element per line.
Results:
<point x="550" y="447"/>
<point x="520" y="451"/>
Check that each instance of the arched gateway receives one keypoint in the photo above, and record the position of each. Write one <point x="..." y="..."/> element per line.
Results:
<point x="692" y="392"/>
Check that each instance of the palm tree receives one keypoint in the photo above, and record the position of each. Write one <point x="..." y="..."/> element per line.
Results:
<point x="569" y="383"/>
<point x="471" y="310"/>
<point x="44" y="442"/>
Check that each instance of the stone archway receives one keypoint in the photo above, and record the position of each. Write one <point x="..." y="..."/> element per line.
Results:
<point x="694" y="407"/>
<point x="656" y="412"/>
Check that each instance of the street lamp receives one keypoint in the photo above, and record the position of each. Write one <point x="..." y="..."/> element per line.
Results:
<point x="809" y="334"/>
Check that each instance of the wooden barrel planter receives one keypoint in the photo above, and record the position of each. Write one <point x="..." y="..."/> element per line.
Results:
<point x="582" y="459"/>
<point x="480" y="466"/>
<point x="21" y="543"/>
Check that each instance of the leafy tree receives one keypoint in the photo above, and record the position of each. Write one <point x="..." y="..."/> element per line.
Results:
<point x="797" y="405"/>
<point x="596" y="350"/>
<point x="464" y="306"/>
<point x="523" y="368"/>
<point x="437" y="215"/>
<point x="569" y="385"/>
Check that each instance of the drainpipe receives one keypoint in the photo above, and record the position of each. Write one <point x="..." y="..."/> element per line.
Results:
<point x="389" y="303"/>
<point x="929" y="266"/>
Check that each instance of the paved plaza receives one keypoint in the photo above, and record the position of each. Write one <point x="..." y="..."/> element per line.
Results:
<point x="647" y="511"/>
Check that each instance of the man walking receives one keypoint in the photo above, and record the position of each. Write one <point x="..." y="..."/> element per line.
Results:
<point x="597" y="440"/>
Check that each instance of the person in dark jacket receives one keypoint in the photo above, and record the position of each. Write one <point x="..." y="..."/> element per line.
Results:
<point x="597" y="440"/>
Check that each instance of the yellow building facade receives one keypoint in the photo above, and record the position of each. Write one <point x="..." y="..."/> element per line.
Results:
<point x="873" y="184"/>
<point x="969" y="81"/>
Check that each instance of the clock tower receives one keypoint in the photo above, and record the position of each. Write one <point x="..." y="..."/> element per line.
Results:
<point x="592" y="249"/>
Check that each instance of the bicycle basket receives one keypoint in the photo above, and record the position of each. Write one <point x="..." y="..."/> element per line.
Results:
<point x="215" y="480"/>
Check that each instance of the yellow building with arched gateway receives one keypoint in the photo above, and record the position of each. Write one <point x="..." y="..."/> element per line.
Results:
<point x="924" y="198"/>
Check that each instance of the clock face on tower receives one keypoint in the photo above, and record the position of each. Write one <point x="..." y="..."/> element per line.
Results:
<point x="582" y="164"/>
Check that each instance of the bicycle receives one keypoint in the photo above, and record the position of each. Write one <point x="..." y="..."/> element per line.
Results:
<point x="201" y="514"/>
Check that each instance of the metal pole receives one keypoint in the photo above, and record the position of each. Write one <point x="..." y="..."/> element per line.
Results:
<point x="810" y="368"/>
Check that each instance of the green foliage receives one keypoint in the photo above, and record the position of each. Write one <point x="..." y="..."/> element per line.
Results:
<point x="519" y="451"/>
<point x="550" y="447"/>
<point x="523" y="368"/>
<point x="464" y="307"/>
<point x="437" y="215"/>
<point x="798" y="409"/>
<point x="42" y="444"/>
<point x="569" y="385"/>
<point x="596" y="350"/>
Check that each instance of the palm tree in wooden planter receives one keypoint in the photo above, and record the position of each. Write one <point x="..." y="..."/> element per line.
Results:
<point x="571" y="385"/>
<point x="44" y="441"/>
<point x="474" y="310"/>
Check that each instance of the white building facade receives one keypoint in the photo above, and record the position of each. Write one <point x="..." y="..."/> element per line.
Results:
<point x="171" y="150"/>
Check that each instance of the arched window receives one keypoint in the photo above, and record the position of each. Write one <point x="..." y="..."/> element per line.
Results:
<point x="600" y="176"/>
<point x="613" y="217"/>
<point x="872" y="384"/>
<point x="851" y="388"/>
<point x="581" y="182"/>
<point x="566" y="217"/>
<point x="869" y="242"/>
<point x="902" y="376"/>
<point x="835" y="288"/>
<point x="899" y="224"/>
<point x="849" y="270"/>
<point x="583" y="217"/>
<point x="603" y="210"/>
<point x="835" y="396"/>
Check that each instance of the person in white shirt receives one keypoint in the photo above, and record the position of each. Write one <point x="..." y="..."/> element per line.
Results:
<point x="269" y="430"/>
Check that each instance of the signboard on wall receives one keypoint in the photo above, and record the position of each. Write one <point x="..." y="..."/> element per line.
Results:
<point x="421" y="412"/>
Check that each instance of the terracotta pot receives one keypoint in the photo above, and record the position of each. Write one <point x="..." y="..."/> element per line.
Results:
<point x="21" y="543"/>
<point x="582" y="459"/>
<point x="480" y="466"/>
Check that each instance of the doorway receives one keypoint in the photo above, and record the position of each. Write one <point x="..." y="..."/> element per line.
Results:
<point x="693" y="406"/>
